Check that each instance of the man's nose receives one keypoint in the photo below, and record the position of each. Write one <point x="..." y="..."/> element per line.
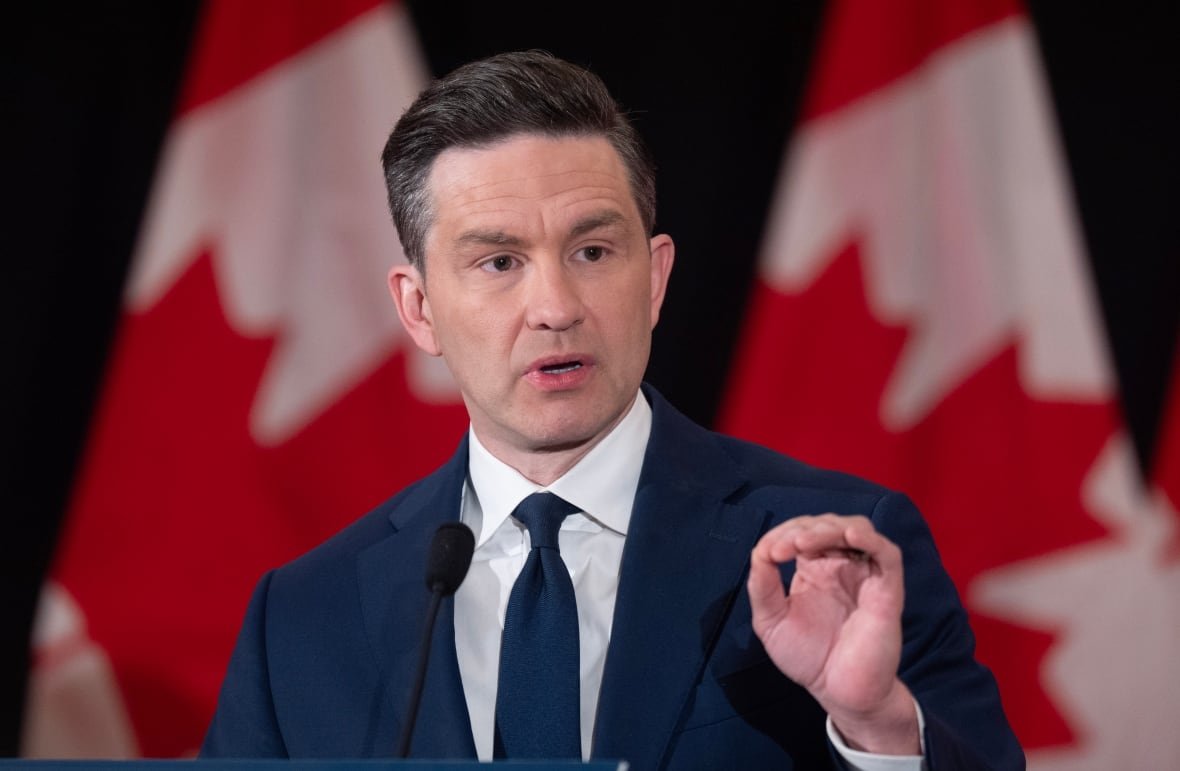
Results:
<point x="553" y="299"/>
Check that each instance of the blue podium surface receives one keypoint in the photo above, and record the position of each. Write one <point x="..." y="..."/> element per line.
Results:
<point x="309" y="765"/>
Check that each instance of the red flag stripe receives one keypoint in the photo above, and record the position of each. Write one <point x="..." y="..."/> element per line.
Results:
<point x="237" y="41"/>
<point x="886" y="50"/>
<point x="1167" y="457"/>
<point x="1166" y="466"/>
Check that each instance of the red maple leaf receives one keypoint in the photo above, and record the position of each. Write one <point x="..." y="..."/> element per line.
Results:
<point x="178" y="511"/>
<point x="997" y="473"/>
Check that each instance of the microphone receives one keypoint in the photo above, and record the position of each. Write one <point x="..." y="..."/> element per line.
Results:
<point x="449" y="558"/>
<point x="446" y="566"/>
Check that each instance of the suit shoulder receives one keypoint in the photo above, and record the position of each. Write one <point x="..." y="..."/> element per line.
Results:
<point x="682" y="452"/>
<point x="762" y="464"/>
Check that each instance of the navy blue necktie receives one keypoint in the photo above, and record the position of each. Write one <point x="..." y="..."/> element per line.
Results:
<point x="537" y="704"/>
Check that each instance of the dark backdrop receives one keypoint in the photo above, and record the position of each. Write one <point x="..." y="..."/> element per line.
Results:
<point x="91" y="88"/>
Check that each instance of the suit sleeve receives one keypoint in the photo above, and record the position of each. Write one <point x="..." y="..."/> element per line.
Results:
<point x="965" y="723"/>
<point x="245" y="725"/>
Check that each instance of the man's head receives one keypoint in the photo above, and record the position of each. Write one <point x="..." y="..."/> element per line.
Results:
<point x="544" y="282"/>
<point x="486" y="101"/>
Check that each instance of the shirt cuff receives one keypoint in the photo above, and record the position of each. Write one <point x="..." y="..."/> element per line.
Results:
<point x="868" y="761"/>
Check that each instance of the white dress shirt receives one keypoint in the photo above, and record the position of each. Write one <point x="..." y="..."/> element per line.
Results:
<point x="602" y="485"/>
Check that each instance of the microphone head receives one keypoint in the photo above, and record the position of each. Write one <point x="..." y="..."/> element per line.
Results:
<point x="449" y="558"/>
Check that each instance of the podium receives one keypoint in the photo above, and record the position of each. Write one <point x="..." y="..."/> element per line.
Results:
<point x="310" y="765"/>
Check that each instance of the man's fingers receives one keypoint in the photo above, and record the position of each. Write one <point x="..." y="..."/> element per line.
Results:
<point x="822" y="534"/>
<point x="864" y="538"/>
<point x="775" y="546"/>
<point x="765" y="583"/>
<point x="828" y="535"/>
<point x="765" y="586"/>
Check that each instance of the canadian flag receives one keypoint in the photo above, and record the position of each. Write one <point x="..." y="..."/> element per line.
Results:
<point x="261" y="393"/>
<point x="1166" y="472"/>
<point x="923" y="317"/>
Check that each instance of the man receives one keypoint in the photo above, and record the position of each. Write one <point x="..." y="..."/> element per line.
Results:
<point x="525" y="203"/>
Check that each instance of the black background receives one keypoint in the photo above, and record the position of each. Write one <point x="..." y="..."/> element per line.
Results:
<point x="90" y="90"/>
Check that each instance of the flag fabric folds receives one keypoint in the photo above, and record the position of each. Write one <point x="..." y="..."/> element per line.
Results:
<point x="923" y="316"/>
<point x="260" y="394"/>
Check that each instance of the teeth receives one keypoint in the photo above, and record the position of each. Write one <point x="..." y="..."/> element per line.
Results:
<point x="558" y="369"/>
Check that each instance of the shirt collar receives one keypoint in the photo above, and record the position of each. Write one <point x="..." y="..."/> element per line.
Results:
<point x="602" y="484"/>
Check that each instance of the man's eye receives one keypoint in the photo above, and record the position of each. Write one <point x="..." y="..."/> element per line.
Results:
<point x="593" y="253"/>
<point x="498" y="264"/>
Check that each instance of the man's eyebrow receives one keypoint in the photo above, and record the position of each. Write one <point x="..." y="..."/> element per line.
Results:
<point x="589" y="224"/>
<point x="488" y="238"/>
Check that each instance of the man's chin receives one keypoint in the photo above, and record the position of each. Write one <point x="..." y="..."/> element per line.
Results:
<point x="563" y="433"/>
<point x="566" y="437"/>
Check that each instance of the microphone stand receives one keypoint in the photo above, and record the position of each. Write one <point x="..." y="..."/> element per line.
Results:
<point x="446" y="566"/>
<point x="403" y="747"/>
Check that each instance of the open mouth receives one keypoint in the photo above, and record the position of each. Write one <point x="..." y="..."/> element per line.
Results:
<point x="561" y="368"/>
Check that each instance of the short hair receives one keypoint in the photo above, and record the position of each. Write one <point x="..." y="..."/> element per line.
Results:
<point x="492" y="99"/>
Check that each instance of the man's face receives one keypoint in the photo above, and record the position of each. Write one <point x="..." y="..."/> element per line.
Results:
<point x="541" y="290"/>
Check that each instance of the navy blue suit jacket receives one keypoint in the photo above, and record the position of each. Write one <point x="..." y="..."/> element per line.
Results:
<point x="324" y="661"/>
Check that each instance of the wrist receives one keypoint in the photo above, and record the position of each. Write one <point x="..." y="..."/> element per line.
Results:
<point x="890" y="729"/>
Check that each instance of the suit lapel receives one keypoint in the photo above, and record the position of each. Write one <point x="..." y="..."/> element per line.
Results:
<point x="685" y="559"/>
<point x="394" y="601"/>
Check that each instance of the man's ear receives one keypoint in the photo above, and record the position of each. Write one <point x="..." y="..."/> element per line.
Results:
<point x="663" y="254"/>
<point x="408" y="287"/>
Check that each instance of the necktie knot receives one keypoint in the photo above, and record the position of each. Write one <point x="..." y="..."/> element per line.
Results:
<point x="542" y="514"/>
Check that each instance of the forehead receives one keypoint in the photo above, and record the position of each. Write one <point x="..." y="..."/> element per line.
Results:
<point x="524" y="177"/>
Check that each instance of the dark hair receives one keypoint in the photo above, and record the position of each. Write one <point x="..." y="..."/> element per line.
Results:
<point x="478" y="104"/>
